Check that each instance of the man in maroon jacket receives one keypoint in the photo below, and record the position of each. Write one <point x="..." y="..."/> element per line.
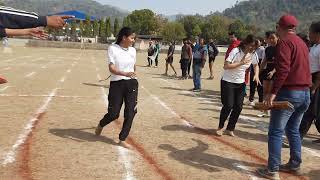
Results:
<point x="292" y="83"/>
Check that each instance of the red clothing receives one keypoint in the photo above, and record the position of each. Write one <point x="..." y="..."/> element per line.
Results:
<point x="292" y="65"/>
<point x="233" y="45"/>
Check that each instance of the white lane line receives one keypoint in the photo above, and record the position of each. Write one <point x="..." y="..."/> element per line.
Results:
<point x="10" y="157"/>
<point x="5" y="88"/>
<point x="30" y="75"/>
<point x="124" y="156"/>
<point x="246" y="170"/>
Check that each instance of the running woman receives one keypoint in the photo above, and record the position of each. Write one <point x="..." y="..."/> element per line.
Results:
<point x="233" y="82"/>
<point x="123" y="85"/>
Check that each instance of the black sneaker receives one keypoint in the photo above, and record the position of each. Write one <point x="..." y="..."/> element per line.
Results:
<point x="264" y="172"/>
<point x="289" y="169"/>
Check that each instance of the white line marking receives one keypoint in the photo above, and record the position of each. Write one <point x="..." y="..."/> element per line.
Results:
<point x="3" y="89"/>
<point x="125" y="158"/>
<point x="41" y="95"/>
<point x="10" y="157"/>
<point x="245" y="170"/>
<point x="30" y="75"/>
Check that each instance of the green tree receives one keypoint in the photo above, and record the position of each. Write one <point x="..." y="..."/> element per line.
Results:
<point x="239" y="28"/>
<point x="87" y="27"/>
<point x="96" y="28"/>
<point x="116" y="27"/>
<point x="108" y="27"/>
<point x="102" y="28"/>
<point x="173" y="31"/>
<point x="215" y="28"/>
<point x="143" y="22"/>
<point x="191" y="25"/>
<point x="82" y="29"/>
<point x="196" y="31"/>
<point x="73" y="29"/>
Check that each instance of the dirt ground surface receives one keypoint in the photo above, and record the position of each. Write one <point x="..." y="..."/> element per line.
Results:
<point x="54" y="100"/>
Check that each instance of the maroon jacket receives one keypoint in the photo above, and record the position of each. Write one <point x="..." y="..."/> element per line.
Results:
<point x="292" y="65"/>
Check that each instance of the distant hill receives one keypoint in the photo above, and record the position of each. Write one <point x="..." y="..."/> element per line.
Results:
<point x="265" y="13"/>
<point x="45" y="7"/>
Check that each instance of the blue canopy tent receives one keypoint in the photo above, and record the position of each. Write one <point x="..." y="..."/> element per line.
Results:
<point x="79" y="16"/>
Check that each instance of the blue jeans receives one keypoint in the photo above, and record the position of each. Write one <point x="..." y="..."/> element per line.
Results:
<point x="287" y="121"/>
<point x="197" y="75"/>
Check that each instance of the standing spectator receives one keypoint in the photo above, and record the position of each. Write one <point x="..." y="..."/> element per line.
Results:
<point x="190" y="62"/>
<point x="158" y="49"/>
<point x="291" y="83"/>
<point x="253" y="85"/>
<point x="169" y="59"/>
<point x="186" y="57"/>
<point x="151" y="53"/>
<point x="312" y="114"/>
<point x="200" y="54"/>
<point x="213" y="53"/>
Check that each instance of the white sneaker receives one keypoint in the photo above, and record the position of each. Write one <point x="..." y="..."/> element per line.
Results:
<point x="251" y="103"/>
<point x="219" y="132"/>
<point x="230" y="133"/>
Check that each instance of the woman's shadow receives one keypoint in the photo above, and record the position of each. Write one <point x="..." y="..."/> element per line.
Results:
<point x="80" y="135"/>
<point x="198" y="158"/>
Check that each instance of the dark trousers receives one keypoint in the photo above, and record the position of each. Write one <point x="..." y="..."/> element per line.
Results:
<point x="232" y="96"/>
<point x="184" y="66"/>
<point x="189" y="67"/>
<point x="312" y="115"/>
<point x="157" y="60"/>
<point x="149" y="61"/>
<point x="254" y="86"/>
<point x="122" y="91"/>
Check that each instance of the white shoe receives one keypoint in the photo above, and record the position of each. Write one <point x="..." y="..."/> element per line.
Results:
<point x="230" y="133"/>
<point x="219" y="132"/>
<point x="251" y="103"/>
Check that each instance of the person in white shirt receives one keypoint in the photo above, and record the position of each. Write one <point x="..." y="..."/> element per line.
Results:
<point x="314" y="57"/>
<point x="233" y="82"/>
<point x="123" y="85"/>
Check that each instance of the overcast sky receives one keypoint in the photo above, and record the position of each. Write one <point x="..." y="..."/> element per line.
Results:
<point x="172" y="7"/>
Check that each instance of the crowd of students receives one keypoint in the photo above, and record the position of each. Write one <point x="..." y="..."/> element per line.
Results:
<point x="280" y="67"/>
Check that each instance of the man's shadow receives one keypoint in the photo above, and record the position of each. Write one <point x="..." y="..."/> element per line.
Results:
<point x="198" y="158"/>
<point x="80" y="135"/>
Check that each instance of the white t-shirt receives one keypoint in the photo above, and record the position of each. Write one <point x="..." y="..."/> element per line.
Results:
<point x="123" y="59"/>
<point x="261" y="52"/>
<point x="237" y="75"/>
<point x="315" y="58"/>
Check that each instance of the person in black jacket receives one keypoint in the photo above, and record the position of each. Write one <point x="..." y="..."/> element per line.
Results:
<point x="18" y="19"/>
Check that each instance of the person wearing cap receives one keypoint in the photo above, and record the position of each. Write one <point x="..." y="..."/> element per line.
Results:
<point x="292" y="83"/>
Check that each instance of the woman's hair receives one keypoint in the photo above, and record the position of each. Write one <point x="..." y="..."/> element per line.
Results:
<point x="269" y="33"/>
<point x="124" y="32"/>
<point x="315" y="27"/>
<point x="248" y="40"/>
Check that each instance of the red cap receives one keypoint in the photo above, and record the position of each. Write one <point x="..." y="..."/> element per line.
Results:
<point x="288" y="21"/>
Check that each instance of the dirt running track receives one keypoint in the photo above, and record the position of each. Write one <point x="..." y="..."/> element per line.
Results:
<point x="53" y="101"/>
